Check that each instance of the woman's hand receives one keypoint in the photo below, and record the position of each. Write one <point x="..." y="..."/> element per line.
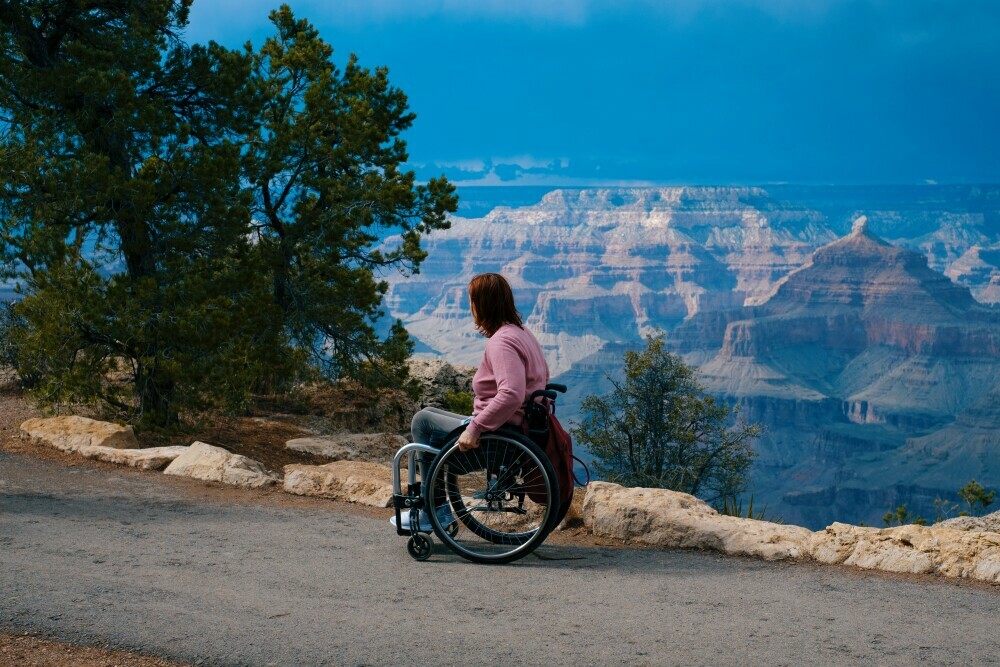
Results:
<point x="467" y="442"/>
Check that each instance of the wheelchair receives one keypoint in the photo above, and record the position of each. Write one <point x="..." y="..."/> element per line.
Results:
<point x="492" y="504"/>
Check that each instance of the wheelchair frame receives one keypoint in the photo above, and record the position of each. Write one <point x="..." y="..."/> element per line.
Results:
<point x="415" y="499"/>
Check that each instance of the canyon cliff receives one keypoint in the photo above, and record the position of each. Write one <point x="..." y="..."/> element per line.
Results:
<point x="865" y="354"/>
<point x="873" y="374"/>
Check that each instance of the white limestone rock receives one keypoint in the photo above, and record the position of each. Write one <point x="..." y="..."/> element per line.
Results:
<point x="71" y="433"/>
<point x="152" y="458"/>
<point x="351" y="481"/>
<point x="215" y="464"/>
<point x="990" y="522"/>
<point x="911" y="549"/>
<point x="372" y="447"/>
<point x="670" y="519"/>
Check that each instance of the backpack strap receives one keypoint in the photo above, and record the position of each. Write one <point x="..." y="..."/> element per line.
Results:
<point x="576" y="479"/>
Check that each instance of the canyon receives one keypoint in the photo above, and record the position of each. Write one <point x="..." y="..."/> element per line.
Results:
<point x="856" y="324"/>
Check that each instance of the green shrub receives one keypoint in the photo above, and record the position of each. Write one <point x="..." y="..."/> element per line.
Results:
<point x="659" y="429"/>
<point x="901" y="516"/>
<point x="976" y="497"/>
<point x="458" y="401"/>
<point x="731" y="506"/>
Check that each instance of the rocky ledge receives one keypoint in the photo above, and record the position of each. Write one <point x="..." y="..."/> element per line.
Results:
<point x="71" y="433"/>
<point x="966" y="547"/>
<point x="664" y="518"/>
<point x="371" y="447"/>
<point x="351" y="481"/>
<point x="215" y="464"/>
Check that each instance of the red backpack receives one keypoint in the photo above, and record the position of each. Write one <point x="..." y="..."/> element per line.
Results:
<point x="545" y="430"/>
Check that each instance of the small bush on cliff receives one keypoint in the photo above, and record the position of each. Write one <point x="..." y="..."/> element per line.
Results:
<point x="901" y="516"/>
<point x="976" y="497"/>
<point x="732" y="506"/>
<point x="944" y="509"/>
<point x="459" y="402"/>
<point x="658" y="428"/>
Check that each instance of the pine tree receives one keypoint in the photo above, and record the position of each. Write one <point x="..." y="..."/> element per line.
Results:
<point x="189" y="223"/>
<point x="657" y="428"/>
<point x="324" y="162"/>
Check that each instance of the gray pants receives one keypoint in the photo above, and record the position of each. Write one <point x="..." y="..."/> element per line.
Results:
<point x="430" y="426"/>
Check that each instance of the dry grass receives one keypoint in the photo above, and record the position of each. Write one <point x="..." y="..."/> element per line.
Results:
<point x="29" y="651"/>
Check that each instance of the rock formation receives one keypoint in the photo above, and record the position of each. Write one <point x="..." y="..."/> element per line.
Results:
<point x="215" y="464"/>
<point x="71" y="433"/>
<point x="990" y="522"/>
<point x="349" y="481"/>
<point x="911" y="549"/>
<point x="151" y="458"/>
<point x="859" y="359"/>
<point x="670" y="519"/>
<point x="602" y="265"/>
<point x="849" y="362"/>
<point x="664" y="518"/>
<point x="372" y="447"/>
<point x="979" y="269"/>
<point x="437" y="378"/>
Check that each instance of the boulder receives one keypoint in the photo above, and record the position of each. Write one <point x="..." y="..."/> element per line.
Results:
<point x="351" y="481"/>
<point x="990" y="522"/>
<point x="912" y="549"/>
<point x="670" y="519"/>
<point x="215" y="464"/>
<point x="836" y="544"/>
<point x="372" y="447"/>
<point x="71" y="433"/>
<point x="909" y="548"/>
<point x="153" y="458"/>
<point x="969" y="554"/>
<point x="437" y="378"/>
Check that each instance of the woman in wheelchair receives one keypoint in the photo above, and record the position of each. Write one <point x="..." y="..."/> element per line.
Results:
<point x="485" y="488"/>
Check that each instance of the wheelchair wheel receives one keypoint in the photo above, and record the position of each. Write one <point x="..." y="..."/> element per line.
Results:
<point x="502" y="497"/>
<point x="419" y="546"/>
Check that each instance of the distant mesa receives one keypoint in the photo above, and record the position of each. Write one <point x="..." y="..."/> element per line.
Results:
<point x="854" y="355"/>
<point x="846" y="319"/>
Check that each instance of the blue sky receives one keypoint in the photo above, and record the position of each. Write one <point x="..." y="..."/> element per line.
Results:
<point x="582" y="92"/>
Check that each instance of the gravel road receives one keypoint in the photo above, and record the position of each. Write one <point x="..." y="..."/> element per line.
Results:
<point x="91" y="555"/>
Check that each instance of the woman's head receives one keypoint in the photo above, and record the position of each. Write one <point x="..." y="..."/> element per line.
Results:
<point x="492" y="303"/>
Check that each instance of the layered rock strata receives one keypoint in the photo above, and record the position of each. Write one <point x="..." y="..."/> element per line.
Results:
<point x="854" y="362"/>
<point x="860" y="358"/>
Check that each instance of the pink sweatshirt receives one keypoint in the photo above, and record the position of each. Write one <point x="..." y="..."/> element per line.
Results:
<point x="512" y="368"/>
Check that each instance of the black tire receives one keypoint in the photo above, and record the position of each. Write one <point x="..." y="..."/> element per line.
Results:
<point x="420" y="546"/>
<point x="495" y="476"/>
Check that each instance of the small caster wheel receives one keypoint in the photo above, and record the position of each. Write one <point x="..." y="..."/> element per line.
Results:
<point x="452" y="529"/>
<point x="419" y="546"/>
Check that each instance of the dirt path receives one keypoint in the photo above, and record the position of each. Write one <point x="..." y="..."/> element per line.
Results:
<point x="108" y="558"/>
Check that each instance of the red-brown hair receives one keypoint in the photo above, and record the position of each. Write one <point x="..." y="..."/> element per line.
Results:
<point x="492" y="303"/>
